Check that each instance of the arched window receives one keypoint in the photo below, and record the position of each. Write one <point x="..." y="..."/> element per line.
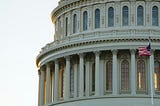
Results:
<point x="93" y="77"/>
<point x="125" y="75"/>
<point x="85" y="20"/>
<point x="66" y="26"/>
<point x="141" y="75"/>
<point x="125" y="16"/>
<point x="140" y="18"/>
<point x="97" y="18"/>
<point x="157" y="76"/>
<point x="74" y="23"/>
<point x="155" y="16"/>
<point x="110" y="17"/>
<point x="109" y="76"/>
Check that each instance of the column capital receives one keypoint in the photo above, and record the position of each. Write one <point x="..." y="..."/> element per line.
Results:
<point x="47" y="64"/>
<point x="152" y="51"/>
<point x="42" y="68"/>
<point x="81" y="55"/>
<point x="56" y="61"/>
<point x="97" y="53"/>
<point x="67" y="58"/>
<point x="133" y="51"/>
<point x="39" y="72"/>
<point x="114" y="51"/>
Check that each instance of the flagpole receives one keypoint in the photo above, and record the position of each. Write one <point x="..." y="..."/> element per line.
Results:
<point x="151" y="74"/>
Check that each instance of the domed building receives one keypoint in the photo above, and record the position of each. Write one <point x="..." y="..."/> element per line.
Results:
<point x="94" y="58"/>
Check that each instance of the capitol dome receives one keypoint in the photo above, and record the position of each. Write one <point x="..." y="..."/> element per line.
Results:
<point x="94" y="59"/>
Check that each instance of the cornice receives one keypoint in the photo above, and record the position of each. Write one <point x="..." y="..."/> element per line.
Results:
<point x="91" y="46"/>
<point x="100" y="36"/>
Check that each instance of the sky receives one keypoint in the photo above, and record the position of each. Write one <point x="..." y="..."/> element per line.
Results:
<point x="25" y="27"/>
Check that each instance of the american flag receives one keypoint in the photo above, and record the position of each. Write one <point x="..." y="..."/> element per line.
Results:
<point x="144" y="51"/>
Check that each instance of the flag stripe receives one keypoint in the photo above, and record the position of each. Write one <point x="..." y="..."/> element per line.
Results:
<point x="144" y="51"/>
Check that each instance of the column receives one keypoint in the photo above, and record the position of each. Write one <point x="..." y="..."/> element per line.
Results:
<point x="56" y="81"/>
<point x="75" y="80"/>
<point x="151" y="72"/>
<point x="48" y="84"/>
<point x="133" y="72"/>
<point x="81" y="75"/>
<point x="102" y="77"/>
<point x="53" y="80"/>
<point x="97" y="74"/>
<point x="114" y="73"/>
<point x="87" y="79"/>
<point x="67" y="91"/>
<point x="39" y="75"/>
<point x="41" y="87"/>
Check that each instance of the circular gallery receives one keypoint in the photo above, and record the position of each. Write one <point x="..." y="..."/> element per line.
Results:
<point x="104" y="53"/>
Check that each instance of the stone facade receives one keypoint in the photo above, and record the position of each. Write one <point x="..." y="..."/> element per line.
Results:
<point x="94" y="59"/>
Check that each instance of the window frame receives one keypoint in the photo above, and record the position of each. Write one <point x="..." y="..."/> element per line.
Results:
<point x="75" y="23"/>
<point x="155" y="12"/>
<point x="85" y="20"/>
<point x="97" y="18"/>
<point x="140" y="15"/>
<point x="125" y="12"/>
<point x="141" y="91"/>
<point x="126" y="90"/>
<point x="111" y="17"/>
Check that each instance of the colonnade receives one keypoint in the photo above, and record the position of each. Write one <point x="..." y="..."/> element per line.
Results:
<point x="49" y="78"/>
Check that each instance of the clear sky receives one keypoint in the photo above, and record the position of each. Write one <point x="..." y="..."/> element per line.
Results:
<point x="25" y="27"/>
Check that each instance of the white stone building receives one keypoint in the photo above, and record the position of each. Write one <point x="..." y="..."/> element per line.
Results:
<point x="94" y="61"/>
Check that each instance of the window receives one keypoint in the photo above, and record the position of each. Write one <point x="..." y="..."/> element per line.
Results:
<point x="110" y="17"/>
<point x="85" y="20"/>
<point x="125" y="75"/>
<point x="66" y="26"/>
<point x="157" y="76"/>
<point x="155" y="16"/>
<point x="109" y="76"/>
<point x="97" y="18"/>
<point x="141" y="75"/>
<point x="74" y="23"/>
<point x="140" y="15"/>
<point x="125" y="16"/>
